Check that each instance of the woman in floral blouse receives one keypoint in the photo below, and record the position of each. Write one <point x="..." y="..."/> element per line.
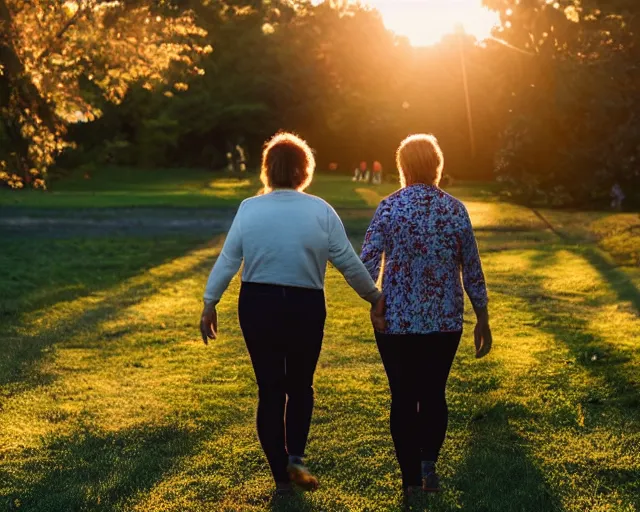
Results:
<point x="422" y="240"/>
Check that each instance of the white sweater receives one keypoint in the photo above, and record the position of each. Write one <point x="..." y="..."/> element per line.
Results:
<point x="285" y="238"/>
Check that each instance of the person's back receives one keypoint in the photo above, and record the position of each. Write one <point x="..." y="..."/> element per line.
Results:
<point x="425" y="240"/>
<point x="285" y="238"/>
<point x="427" y="233"/>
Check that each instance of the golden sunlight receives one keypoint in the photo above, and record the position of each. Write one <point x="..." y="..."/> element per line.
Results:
<point x="425" y="22"/>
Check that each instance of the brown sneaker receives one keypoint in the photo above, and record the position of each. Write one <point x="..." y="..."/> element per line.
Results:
<point x="301" y="476"/>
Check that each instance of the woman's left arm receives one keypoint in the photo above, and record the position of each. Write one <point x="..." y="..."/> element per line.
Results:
<point x="472" y="274"/>
<point x="373" y="246"/>
<point x="476" y="288"/>
<point x="345" y="259"/>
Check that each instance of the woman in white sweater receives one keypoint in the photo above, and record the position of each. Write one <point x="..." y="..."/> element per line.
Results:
<point x="285" y="238"/>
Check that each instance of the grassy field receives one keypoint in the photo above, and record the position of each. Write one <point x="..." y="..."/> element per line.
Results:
<point x="123" y="187"/>
<point x="161" y="191"/>
<point x="109" y="401"/>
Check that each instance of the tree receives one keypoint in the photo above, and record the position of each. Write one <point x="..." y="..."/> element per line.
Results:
<point x="60" y="61"/>
<point x="553" y="95"/>
<point x="575" y="111"/>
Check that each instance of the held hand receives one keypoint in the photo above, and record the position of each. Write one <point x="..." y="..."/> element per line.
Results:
<point x="483" y="339"/>
<point x="377" y="315"/>
<point x="209" y="323"/>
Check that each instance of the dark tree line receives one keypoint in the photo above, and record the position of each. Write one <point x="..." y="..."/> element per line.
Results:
<point x="551" y="105"/>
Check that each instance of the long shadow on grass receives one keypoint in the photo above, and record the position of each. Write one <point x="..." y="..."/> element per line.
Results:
<point x="20" y="364"/>
<point x="498" y="472"/>
<point x="36" y="273"/>
<point x="561" y="319"/>
<point x="619" y="282"/>
<point x="615" y="406"/>
<point x="612" y="406"/>
<point x="95" y="470"/>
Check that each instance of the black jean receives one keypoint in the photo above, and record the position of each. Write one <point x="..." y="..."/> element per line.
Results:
<point x="418" y="366"/>
<point x="283" y="328"/>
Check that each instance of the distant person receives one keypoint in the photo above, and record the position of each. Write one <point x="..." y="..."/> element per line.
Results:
<point x="425" y="238"/>
<point x="617" y="197"/>
<point x="242" y="159"/>
<point x="285" y="238"/>
<point x="361" y="173"/>
<point x="365" y="175"/>
<point x="377" y="173"/>
<point x="358" y="173"/>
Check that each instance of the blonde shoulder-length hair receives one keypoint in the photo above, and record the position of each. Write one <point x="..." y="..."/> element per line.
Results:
<point x="420" y="160"/>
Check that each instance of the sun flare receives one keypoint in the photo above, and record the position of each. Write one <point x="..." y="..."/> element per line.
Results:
<point x="425" y="22"/>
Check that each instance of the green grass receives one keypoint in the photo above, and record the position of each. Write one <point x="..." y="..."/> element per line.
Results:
<point x="129" y="187"/>
<point x="124" y="187"/>
<point x="109" y="401"/>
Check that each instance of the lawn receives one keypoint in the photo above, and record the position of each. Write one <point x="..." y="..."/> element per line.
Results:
<point x="109" y="401"/>
<point x="123" y="187"/>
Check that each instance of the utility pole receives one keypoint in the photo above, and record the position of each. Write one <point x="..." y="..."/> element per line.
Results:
<point x="465" y="82"/>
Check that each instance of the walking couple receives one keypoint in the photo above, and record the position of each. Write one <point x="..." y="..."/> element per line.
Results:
<point x="420" y="238"/>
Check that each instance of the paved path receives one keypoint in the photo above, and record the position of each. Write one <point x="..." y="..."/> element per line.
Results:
<point x="114" y="221"/>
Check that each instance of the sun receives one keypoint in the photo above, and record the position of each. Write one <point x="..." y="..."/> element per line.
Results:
<point x="425" y="22"/>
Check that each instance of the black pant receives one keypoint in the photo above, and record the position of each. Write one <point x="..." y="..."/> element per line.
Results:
<point x="418" y="366"/>
<point x="283" y="328"/>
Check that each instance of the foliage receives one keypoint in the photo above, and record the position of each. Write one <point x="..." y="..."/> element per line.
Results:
<point x="275" y="67"/>
<point x="60" y="61"/>
<point x="551" y="102"/>
<point x="575" y="120"/>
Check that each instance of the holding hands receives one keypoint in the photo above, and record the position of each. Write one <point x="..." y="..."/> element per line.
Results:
<point x="377" y="315"/>
<point x="482" y="336"/>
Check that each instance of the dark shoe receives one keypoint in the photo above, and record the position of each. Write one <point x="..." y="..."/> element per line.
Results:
<point x="412" y="491"/>
<point x="301" y="476"/>
<point x="283" y="488"/>
<point x="412" y="497"/>
<point x="431" y="482"/>
<point x="284" y="491"/>
<point x="282" y="495"/>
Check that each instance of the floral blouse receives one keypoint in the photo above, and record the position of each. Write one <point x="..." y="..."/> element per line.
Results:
<point x="423" y="239"/>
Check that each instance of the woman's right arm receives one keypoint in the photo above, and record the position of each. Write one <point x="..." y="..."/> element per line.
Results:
<point x="227" y="264"/>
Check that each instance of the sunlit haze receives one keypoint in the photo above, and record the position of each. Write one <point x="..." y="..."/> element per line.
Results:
<point x="425" y="22"/>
